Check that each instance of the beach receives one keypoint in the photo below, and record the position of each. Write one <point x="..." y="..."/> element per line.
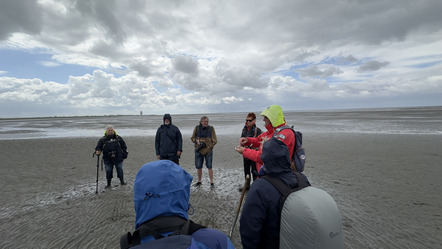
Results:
<point x="387" y="187"/>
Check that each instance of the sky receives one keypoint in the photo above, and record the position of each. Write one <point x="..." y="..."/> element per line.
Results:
<point x="109" y="57"/>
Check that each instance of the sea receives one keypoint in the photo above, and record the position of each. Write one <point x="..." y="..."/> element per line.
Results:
<point x="406" y="120"/>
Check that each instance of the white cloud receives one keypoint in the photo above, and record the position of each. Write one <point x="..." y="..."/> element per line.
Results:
<point x="189" y="56"/>
<point x="50" y="63"/>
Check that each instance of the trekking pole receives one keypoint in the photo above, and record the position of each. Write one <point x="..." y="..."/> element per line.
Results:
<point x="98" y="165"/>
<point x="240" y="203"/>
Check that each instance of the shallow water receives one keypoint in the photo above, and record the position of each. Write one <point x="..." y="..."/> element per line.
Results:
<point x="422" y="120"/>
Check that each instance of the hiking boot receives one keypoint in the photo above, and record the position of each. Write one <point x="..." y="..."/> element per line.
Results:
<point x="122" y="181"/>
<point x="108" y="183"/>
<point x="197" y="184"/>
<point x="247" y="186"/>
<point x="212" y="185"/>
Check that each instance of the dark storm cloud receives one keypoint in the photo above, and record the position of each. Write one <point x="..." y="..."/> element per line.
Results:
<point x="19" y="16"/>
<point x="106" y="13"/>
<point x="185" y="64"/>
<point x="372" y="66"/>
<point x="143" y="68"/>
<point x="321" y="73"/>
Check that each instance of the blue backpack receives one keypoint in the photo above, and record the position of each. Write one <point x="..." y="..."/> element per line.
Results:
<point x="298" y="158"/>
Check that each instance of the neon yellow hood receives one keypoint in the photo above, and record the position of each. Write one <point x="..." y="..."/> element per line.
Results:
<point x="274" y="114"/>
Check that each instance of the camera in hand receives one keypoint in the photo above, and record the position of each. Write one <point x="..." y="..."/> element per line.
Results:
<point x="202" y="145"/>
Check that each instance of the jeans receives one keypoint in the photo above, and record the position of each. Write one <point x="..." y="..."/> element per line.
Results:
<point x="199" y="160"/>
<point x="110" y="168"/>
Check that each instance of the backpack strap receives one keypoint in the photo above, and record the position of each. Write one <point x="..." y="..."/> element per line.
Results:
<point x="193" y="227"/>
<point x="157" y="226"/>
<point x="282" y="128"/>
<point x="284" y="189"/>
<point x="129" y="240"/>
<point x="167" y="134"/>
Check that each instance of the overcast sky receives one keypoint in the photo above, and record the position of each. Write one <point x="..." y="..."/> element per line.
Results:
<point x="101" y="57"/>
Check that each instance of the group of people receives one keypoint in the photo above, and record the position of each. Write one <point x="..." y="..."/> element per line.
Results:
<point x="168" y="146"/>
<point x="162" y="188"/>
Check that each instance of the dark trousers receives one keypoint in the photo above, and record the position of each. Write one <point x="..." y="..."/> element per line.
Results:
<point x="172" y="157"/>
<point x="249" y="168"/>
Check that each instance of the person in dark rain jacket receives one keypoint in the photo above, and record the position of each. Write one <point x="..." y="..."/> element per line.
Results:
<point x="168" y="141"/>
<point x="260" y="218"/>
<point x="114" y="151"/>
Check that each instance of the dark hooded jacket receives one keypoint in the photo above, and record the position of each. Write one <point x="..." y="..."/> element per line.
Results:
<point x="260" y="221"/>
<point x="113" y="147"/>
<point x="168" y="139"/>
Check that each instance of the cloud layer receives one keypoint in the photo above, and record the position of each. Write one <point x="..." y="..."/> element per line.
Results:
<point x="205" y="56"/>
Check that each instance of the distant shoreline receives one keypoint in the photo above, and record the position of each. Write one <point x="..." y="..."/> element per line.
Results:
<point x="405" y="108"/>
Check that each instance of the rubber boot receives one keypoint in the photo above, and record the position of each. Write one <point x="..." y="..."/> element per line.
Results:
<point x="247" y="187"/>
<point x="108" y="183"/>
<point x="122" y="181"/>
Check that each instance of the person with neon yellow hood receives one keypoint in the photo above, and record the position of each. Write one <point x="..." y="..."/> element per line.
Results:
<point x="273" y="119"/>
<point x="260" y="217"/>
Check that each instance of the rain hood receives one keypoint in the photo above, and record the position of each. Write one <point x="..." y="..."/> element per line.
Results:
<point x="167" y="116"/>
<point x="274" y="114"/>
<point x="161" y="188"/>
<point x="275" y="156"/>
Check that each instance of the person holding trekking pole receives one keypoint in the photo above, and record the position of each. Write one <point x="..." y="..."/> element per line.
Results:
<point x="114" y="151"/>
<point x="168" y="141"/>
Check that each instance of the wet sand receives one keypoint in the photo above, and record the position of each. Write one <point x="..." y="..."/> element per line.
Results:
<point x="386" y="186"/>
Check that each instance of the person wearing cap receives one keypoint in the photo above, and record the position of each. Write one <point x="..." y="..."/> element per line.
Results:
<point x="168" y="141"/>
<point x="161" y="201"/>
<point x="260" y="218"/>
<point x="273" y="119"/>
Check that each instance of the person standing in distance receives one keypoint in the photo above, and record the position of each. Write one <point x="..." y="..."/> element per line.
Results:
<point x="114" y="151"/>
<point x="204" y="138"/>
<point x="168" y="141"/>
<point x="250" y="130"/>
